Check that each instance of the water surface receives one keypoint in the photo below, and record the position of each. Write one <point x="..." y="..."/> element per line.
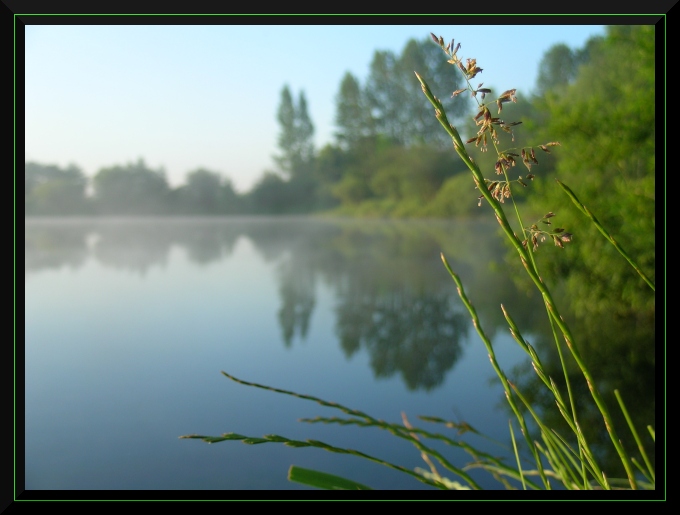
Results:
<point x="129" y="322"/>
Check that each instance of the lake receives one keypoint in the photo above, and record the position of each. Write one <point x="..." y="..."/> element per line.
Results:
<point x="129" y="323"/>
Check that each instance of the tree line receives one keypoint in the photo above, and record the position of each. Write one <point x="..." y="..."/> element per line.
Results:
<point x="385" y="131"/>
<point x="389" y="156"/>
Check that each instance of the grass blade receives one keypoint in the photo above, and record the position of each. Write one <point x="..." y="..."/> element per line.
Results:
<point x="322" y="480"/>
<point x="604" y="232"/>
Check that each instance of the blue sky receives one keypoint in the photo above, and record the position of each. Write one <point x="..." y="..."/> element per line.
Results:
<point x="183" y="97"/>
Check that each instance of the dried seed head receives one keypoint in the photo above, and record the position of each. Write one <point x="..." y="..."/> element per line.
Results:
<point x="508" y="96"/>
<point x="566" y="237"/>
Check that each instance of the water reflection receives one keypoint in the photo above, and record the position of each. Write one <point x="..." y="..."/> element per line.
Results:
<point x="52" y="245"/>
<point x="394" y="299"/>
<point x="620" y="353"/>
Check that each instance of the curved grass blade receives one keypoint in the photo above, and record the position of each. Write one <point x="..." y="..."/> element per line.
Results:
<point x="604" y="232"/>
<point x="313" y="443"/>
<point x="638" y="441"/>
<point x="322" y="480"/>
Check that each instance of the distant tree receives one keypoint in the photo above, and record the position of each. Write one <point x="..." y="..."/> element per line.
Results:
<point x="384" y="93"/>
<point x="270" y="195"/>
<point x="230" y="200"/>
<point x="557" y="68"/>
<point x="50" y="190"/>
<point x="353" y="114"/>
<point x="402" y="113"/>
<point x="202" y="193"/>
<point x="296" y="136"/>
<point x="559" y="65"/>
<point x="331" y="164"/>
<point x="414" y="174"/>
<point x="605" y="122"/>
<point x="133" y="189"/>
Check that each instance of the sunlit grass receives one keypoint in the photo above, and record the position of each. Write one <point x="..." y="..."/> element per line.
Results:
<point x="556" y="460"/>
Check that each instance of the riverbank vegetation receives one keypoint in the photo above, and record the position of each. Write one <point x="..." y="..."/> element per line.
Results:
<point x="389" y="159"/>
<point x="562" y="415"/>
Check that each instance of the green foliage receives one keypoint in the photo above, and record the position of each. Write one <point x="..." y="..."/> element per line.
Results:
<point x="605" y="121"/>
<point x="353" y="115"/>
<point x="562" y="451"/>
<point x="564" y="464"/>
<point x="206" y="193"/>
<point x="322" y="480"/>
<point x="296" y="136"/>
<point x="560" y="66"/>
<point x="399" y="111"/>
<point x="50" y="190"/>
<point x="133" y="189"/>
<point x="456" y="198"/>
<point x="269" y="195"/>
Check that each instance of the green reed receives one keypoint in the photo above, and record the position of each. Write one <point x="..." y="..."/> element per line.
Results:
<point x="554" y="458"/>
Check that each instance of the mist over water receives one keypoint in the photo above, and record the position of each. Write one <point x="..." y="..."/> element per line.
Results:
<point x="130" y="321"/>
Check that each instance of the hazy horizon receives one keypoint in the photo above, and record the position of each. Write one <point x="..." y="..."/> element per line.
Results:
<point x="183" y="97"/>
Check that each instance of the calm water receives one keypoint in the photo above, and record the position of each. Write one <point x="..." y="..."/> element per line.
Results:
<point x="128" y="324"/>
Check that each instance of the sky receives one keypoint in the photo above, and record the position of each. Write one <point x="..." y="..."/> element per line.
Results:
<point x="183" y="97"/>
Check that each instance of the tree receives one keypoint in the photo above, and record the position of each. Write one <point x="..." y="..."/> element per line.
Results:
<point x="207" y="193"/>
<point x="605" y="122"/>
<point x="269" y="195"/>
<point x="353" y="116"/>
<point x="50" y="190"/>
<point x="399" y="109"/>
<point x="559" y="65"/>
<point x="132" y="189"/>
<point x="384" y="94"/>
<point x="296" y="136"/>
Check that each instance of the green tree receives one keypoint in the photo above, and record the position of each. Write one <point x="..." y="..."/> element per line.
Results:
<point x="384" y="94"/>
<point x="207" y="193"/>
<point x="50" y="190"/>
<point x="331" y="163"/>
<point x="132" y="189"/>
<point x="605" y="122"/>
<point x="296" y="136"/>
<point x="270" y="195"/>
<point x="201" y="194"/>
<point x="400" y="110"/>
<point x="353" y="116"/>
<point x="559" y="65"/>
